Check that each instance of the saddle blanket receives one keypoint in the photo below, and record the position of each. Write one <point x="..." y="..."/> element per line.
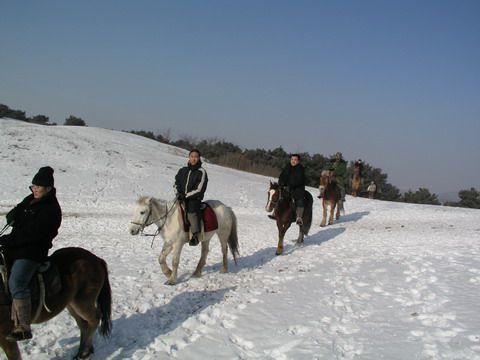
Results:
<point x="209" y="218"/>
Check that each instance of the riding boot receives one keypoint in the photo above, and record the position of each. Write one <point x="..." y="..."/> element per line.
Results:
<point x="342" y="191"/>
<point x="22" y="330"/>
<point x="193" y="218"/>
<point x="299" y="212"/>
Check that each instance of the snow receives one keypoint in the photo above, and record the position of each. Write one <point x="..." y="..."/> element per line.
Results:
<point x="386" y="281"/>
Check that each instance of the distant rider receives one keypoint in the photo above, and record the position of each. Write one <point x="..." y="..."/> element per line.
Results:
<point x="338" y="167"/>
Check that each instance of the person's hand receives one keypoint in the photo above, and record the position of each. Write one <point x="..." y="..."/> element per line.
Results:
<point x="10" y="217"/>
<point x="181" y="197"/>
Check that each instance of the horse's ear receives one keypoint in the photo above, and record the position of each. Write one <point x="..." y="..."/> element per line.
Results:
<point x="149" y="201"/>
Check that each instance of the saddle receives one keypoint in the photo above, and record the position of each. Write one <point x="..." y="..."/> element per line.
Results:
<point x="209" y="218"/>
<point x="45" y="283"/>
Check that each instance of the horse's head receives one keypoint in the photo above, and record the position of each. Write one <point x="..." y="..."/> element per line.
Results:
<point x="324" y="181"/>
<point x="274" y="196"/>
<point x="141" y="215"/>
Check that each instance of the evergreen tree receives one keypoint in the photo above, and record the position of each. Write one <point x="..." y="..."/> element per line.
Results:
<point x="468" y="199"/>
<point x="74" y="121"/>
<point x="39" y="119"/>
<point x="421" y="196"/>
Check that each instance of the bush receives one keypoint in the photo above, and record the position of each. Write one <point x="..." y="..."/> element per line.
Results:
<point x="74" y="121"/>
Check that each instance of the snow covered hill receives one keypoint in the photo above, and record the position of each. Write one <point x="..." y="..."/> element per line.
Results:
<point x="386" y="281"/>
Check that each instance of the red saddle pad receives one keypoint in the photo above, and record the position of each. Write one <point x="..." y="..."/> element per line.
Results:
<point x="209" y="218"/>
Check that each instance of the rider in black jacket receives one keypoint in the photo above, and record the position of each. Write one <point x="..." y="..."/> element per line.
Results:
<point x="191" y="184"/>
<point x="35" y="222"/>
<point x="293" y="177"/>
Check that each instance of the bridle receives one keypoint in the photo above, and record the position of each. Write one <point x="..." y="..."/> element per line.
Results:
<point x="280" y="198"/>
<point x="147" y="223"/>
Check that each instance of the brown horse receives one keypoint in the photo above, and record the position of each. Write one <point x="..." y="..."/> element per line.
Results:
<point x="331" y="196"/>
<point x="280" y="200"/>
<point x="356" y="182"/>
<point x="85" y="293"/>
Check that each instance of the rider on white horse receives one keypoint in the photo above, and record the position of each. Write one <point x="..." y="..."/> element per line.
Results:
<point x="191" y="184"/>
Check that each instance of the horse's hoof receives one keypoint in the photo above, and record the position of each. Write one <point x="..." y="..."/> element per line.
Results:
<point x="278" y="252"/>
<point x="169" y="282"/>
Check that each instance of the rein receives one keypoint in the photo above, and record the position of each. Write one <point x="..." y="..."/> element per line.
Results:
<point x="4" y="229"/>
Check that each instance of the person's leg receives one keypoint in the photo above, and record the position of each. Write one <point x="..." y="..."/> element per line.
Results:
<point x="300" y="204"/>
<point x="341" y="185"/>
<point x="19" y="282"/>
<point x="194" y="220"/>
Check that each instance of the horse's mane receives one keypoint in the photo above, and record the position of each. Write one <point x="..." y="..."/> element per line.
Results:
<point x="142" y="200"/>
<point x="325" y="172"/>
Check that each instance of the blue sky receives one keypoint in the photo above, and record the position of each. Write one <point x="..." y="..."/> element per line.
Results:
<point x="395" y="83"/>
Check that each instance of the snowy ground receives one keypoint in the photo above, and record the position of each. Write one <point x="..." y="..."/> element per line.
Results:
<point x="386" y="281"/>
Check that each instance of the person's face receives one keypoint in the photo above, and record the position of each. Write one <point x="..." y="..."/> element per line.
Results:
<point x="294" y="160"/>
<point x="39" y="191"/>
<point x="194" y="158"/>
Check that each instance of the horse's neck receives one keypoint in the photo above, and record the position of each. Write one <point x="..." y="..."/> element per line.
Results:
<point x="158" y="208"/>
<point x="163" y="209"/>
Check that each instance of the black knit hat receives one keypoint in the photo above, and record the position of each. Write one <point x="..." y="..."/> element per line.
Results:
<point x="44" y="177"/>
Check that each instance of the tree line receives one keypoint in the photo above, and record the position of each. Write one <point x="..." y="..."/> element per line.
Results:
<point x="270" y="163"/>
<point x="6" y="112"/>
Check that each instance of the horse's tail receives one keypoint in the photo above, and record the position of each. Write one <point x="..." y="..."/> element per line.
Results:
<point x="309" y="209"/>
<point x="233" y="237"/>
<point x="104" y="304"/>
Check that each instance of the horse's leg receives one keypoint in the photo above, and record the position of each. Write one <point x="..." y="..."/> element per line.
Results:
<point x="282" y="229"/>
<point x="324" y="217"/>
<point x="6" y="325"/>
<point x="162" y="259"/>
<point x="339" y="208"/>
<point x="177" y="250"/>
<point x="300" y="235"/>
<point x="87" y="316"/>
<point x="203" y="258"/>
<point x="224" y="245"/>
<point x="332" y="212"/>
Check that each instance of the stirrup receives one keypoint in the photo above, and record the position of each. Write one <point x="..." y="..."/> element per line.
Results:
<point x="299" y="221"/>
<point x="19" y="335"/>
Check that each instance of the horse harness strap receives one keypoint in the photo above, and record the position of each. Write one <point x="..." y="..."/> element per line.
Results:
<point x="159" y="228"/>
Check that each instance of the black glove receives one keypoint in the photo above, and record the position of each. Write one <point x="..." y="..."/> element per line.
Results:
<point x="181" y="197"/>
<point x="10" y="217"/>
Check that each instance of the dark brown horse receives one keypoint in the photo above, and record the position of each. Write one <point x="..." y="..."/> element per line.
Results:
<point x="85" y="293"/>
<point x="331" y="197"/>
<point x="356" y="182"/>
<point x="280" y="200"/>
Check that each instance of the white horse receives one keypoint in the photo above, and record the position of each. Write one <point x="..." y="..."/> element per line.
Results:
<point x="168" y="218"/>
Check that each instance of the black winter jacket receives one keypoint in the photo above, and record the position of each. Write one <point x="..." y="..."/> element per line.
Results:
<point x="294" y="178"/>
<point x="35" y="226"/>
<point x="191" y="181"/>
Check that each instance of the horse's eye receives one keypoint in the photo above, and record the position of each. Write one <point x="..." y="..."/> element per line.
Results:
<point x="142" y="212"/>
